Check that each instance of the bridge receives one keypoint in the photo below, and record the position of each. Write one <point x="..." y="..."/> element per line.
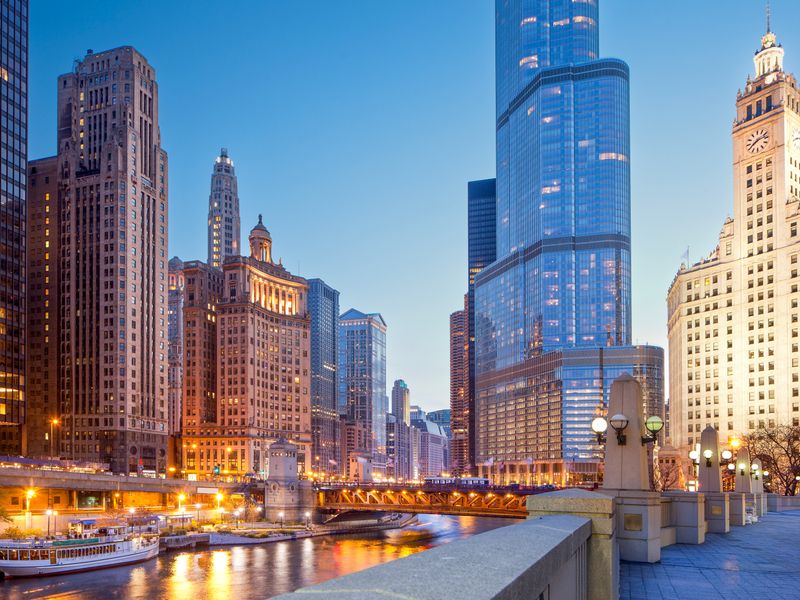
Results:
<point x="443" y="500"/>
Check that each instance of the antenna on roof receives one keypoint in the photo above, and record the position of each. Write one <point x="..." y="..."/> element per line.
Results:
<point x="769" y="14"/>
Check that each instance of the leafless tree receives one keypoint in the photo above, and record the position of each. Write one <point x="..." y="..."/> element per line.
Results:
<point x="778" y="449"/>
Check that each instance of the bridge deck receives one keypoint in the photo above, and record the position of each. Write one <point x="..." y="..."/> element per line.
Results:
<point x="756" y="561"/>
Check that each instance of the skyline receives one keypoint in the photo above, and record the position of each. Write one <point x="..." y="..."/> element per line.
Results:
<point x="423" y="281"/>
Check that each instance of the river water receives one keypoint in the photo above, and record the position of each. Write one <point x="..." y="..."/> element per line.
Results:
<point x="249" y="572"/>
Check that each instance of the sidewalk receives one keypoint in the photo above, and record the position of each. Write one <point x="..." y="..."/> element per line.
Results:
<point x="750" y="563"/>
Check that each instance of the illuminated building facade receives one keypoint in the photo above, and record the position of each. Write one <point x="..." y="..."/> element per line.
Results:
<point x="224" y="226"/>
<point x="262" y="362"/>
<point x="14" y="150"/>
<point x="113" y="265"/>
<point x="175" y="346"/>
<point x="323" y="308"/>
<point x="459" y="394"/>
<point x="734" y="317"/>
<point x="401" y="401"/>
<point x="362" y="378"/>
<point x="552" y="312"/>
<point x="43" y="308"/>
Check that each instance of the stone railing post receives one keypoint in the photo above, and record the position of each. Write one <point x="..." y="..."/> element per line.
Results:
<point x="688" y="516"/>
<point x="603" y="550"/>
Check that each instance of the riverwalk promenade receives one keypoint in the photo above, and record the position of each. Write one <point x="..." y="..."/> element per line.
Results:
<point x="756" y="561"/>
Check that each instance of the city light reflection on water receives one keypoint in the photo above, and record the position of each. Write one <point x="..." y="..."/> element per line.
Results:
<point x="249" y="572"/>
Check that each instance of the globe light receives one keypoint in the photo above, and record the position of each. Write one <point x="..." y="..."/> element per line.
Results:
<point x="708" y="453"/>
<point x="731" y="467"/>
<point x="694" y="455"/>
<point x="727" y="454"/>
<point x="599" y="425"/>
<point x="654" y="424"/>
<point x="619" y="422"/>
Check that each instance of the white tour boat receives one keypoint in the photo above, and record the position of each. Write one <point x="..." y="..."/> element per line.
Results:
<point x="85" y="549"/>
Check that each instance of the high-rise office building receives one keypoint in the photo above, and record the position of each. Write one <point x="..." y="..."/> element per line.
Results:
<point x="259" y="328"/>
<point x="442" y="418"/>
<point x="362" y="377"/>
<point x="459" y="394"/>
<point x="481" y="252"/>
<point x="43" y="308"/>
<point x="552" y="312"/>
<point x="14" y="132"/>
<point x="431" y="450"/>
<point x="112" y="244"/>
<point x="175" y="346"/>
<point x="224" y="227"/>
<point x="401" y="401"/>
<point x="398" y="449"/>
<point x="734" y="345"/>
<point x="323" y="308"/>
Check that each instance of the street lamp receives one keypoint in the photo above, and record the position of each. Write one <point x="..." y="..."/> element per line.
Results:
<point x="308" y="519"/>
<point x="181" y="498"/>
<point x="280" y="516"/>
<point x="707" y="454"/>
<point x="727" y="455"/>
<point x="236" y="514"/>
<point x="653" y="425"/>
<point x="742" y="468"/>
<point x="599" y="426"/>
<point x="619" y="422"/>
<point x="197" y="507"/>
<point x="258" y="510"/>
<point x="53" y="423"/>
<point x="49" y="513"/>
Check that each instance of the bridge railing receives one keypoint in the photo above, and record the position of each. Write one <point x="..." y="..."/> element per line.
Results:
<point x="542" y="558"/>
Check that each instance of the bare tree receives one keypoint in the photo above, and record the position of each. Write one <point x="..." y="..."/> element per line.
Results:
<point x="778" y="449"/>
<point x="672" y="476"/>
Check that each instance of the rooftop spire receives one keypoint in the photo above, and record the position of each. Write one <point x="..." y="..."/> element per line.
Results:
<point x="769" y="15"/>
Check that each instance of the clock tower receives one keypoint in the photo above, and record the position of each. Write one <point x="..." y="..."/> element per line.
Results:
<point x="734" y="316"/>
<point x="766" y="155"/>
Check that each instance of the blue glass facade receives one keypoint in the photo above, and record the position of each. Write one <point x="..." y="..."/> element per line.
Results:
<point x="552" y="312"/>
<point x="362" y="376"/>
<point x="323" y="308"/>
<point x="13" y="199"/>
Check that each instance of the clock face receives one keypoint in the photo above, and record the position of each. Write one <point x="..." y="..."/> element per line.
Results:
<point x="796" y="138"/>
<point x="757" y="141"/>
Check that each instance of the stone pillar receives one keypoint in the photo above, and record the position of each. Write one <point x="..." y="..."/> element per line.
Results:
<point x="626" y="478"/>
<point x="688" y="516"/>
<point x="603" y="550"/>
<point x="737" y="503"/>
<point x="710" y="474"/>
<point x="760" y="498"/>
<point x="744" y="480"/>
<point x="717" y="504"/>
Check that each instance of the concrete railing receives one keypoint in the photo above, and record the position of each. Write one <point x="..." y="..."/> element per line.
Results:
<point x="777" y="503"/>
<point x="543" y="558"/>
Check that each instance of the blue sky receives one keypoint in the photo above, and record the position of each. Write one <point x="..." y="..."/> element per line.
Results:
<point x="355" y="126"/>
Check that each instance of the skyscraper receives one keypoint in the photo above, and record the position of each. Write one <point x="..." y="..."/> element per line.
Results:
<point x="247" y="378"/>
<point x="14" y="132"/>
<point x="552" y="312"/>
<point x="175" y="346"/>
<point x="481" y="252"/>
<point x="733" y="316"/>
<point x="362" y="377"/>
<point x="224" y="227"/>
<point x="43" y="308"/>
<point x="323" y="308"/>
<point x="459" y="394"/>
<point x="112" y="179"/>
<point x="401" y="401"/>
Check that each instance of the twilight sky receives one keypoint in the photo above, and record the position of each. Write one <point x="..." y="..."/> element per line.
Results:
<point x="356" y="124"/>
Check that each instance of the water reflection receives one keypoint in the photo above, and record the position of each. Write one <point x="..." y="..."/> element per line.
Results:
<point x="249" y="572"/>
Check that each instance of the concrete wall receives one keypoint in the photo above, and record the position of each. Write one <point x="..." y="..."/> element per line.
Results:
<point x="542" y="558"/>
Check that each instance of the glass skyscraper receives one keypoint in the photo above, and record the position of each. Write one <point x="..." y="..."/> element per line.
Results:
<point x="552" y="313"/>
<point x="362" y="377"/>
<point x="323" y="308"/>
<point x="13" y="183"/>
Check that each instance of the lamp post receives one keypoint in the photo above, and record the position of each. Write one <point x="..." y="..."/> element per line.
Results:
<point x="181" y="498"/>
<point x="308" y="520"/>
<point x="49" y="513"/>
<point x="280" y="516"/>
<point x="29" y="494"/>
<point x="258" y="510"/>
<point x="197" y="507"/>
<point x="236" y="514"/>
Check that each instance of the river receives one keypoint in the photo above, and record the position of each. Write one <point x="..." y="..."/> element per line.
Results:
<point x="249" y="572"/>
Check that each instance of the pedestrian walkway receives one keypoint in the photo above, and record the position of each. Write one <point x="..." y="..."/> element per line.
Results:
<point x="752" y="562"/>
